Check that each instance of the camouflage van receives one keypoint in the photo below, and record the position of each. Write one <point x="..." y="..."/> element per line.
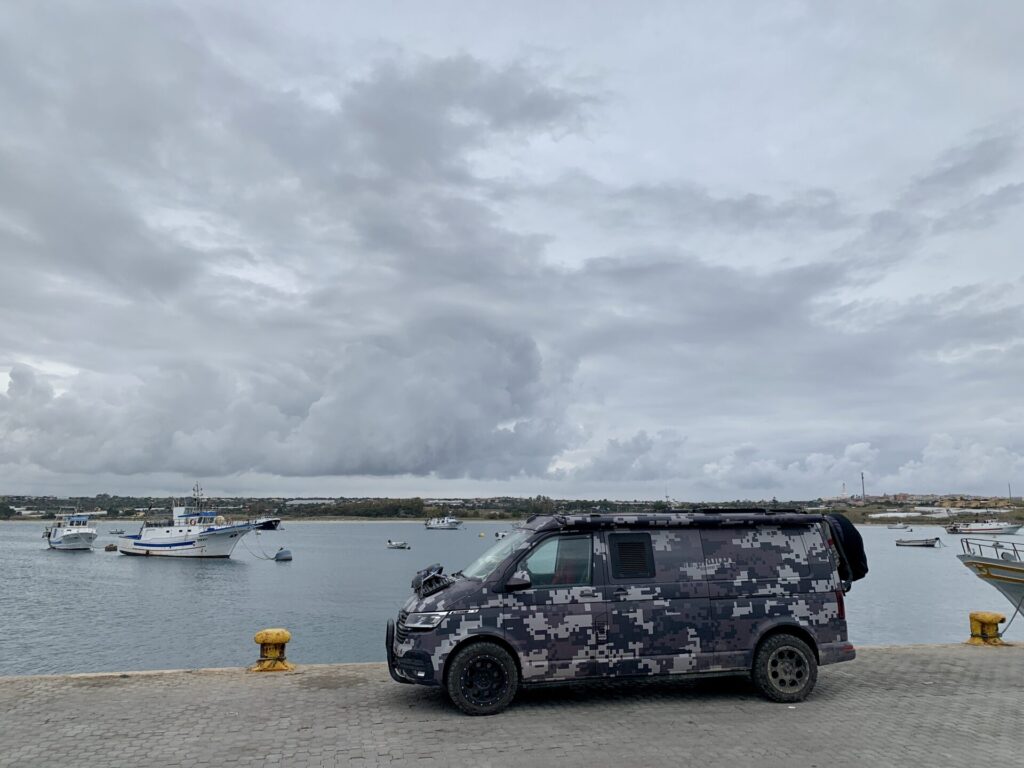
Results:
<point x="572" y="597"/>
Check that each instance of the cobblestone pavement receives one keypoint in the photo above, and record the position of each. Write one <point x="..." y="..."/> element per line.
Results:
<point x="916" y="705"/>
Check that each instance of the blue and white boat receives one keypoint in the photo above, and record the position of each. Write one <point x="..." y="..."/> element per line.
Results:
<point x="191" y="532"/>
<point x="70" y="532"/>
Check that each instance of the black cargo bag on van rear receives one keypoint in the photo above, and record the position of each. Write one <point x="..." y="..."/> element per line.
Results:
<point x="853" y="563"/>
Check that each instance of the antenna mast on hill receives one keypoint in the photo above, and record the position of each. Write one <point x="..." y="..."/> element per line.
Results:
<point x="863" y="493"/>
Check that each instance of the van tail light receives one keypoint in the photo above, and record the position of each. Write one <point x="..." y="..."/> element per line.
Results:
<point x="842" y="604"/>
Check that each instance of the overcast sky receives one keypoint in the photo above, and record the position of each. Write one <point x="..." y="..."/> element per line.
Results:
<point x="710" y="250"/>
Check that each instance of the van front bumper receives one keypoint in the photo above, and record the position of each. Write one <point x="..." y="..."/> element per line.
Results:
<point x="833" y="653"/>
<point x="411" y="666"/>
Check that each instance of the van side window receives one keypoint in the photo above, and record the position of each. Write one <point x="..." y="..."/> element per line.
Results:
<point x="561" y="561"/>
<point x="631" y="555"/>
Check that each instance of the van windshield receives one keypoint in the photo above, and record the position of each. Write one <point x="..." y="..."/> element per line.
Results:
<point x="484" y="565"/>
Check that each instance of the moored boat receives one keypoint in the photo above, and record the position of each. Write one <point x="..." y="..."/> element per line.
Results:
<point x="997" y="563"/>
<point x="191" y="532"/>
<point x="446" y="523"/>
<point x="398" y="544"/>
<point x="917" y="542"/>
<point x="70" y="532"/>
<point x="989" y="527"/>
<point x="897" y="527"/>
<point x="116" y="531"/>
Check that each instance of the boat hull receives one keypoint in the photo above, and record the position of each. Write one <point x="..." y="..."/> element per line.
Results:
<point x="206" y="543"/>
<point x="1005" y="575"/>
<point x="1007" y="530"/>
<point x="78" y="540"/>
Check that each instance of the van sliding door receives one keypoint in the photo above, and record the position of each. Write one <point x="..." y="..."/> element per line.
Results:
<point x="658" y="614"/>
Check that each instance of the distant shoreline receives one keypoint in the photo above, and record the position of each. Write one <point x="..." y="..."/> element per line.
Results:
<point x="124" y="522"/>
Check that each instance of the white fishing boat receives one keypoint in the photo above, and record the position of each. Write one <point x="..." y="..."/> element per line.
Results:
<point x="192" y="532"/>
<point x="70" y="532"/>
<point x="398" y="544"/>
<point x="988" y="527"/>
<point x="116" y="531"/>
<point x="997" y="563"/>
<point x="446" y="523"/>
<point x="898" y="527"/>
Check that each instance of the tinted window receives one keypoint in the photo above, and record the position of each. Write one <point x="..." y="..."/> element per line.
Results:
<point x="563" y="561"/>
<point x="631" y="555"/>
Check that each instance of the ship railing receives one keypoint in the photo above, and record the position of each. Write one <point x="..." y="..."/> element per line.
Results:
<point x="996" y="550"/>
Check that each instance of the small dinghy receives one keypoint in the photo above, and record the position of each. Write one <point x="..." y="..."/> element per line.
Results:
<point x="898" y="527"/>
<point x="918" y="542"/>
<point x="283" y="555"/>
<point x="398" y="544"/>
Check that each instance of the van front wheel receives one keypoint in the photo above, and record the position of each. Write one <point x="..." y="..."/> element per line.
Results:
<point x="482" y="679"/>
<point x="785" y="669"/>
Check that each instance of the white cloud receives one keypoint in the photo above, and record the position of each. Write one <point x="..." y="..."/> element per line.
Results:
<point x="584" y="259"/>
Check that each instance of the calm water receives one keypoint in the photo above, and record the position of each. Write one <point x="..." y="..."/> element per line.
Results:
<point x="101" y="611"/>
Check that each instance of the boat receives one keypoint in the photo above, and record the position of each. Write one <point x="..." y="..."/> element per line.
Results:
<point x="191" y="532"/>
<point x="267" y="523"/>
<point x="398" y="544"/>
<point x="997" y="563"/>
<point x="990" y="527"/>
<point x="500" y="534"/>
<point x="897" y="527"/>
<point x="918" y="542"/>
<point x="446" y="523"/>
<point x="116" y="531"/>
<point x="283" y="555"/>
<point x="70" y="532"/>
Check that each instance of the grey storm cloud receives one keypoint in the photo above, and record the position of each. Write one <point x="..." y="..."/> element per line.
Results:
<point x="297" y="255"/>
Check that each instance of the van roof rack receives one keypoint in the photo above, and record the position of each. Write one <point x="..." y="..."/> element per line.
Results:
<point x="713" y="517"/>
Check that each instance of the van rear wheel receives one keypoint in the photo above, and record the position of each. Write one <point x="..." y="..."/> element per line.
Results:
<point x="784" y="668"/>
<point x="482" y="679"/>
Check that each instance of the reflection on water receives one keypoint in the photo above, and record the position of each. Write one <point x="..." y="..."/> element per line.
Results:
<point x="101" y="611"/>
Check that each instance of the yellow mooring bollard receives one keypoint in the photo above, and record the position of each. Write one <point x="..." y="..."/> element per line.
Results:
<point x="985" y="628"/>
<point x="272" y="643"/>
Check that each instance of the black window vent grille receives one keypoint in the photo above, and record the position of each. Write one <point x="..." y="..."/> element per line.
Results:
<point x="632" y="557"/>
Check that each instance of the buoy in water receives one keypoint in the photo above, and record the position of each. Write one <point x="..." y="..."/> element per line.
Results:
<point x="283" y="555"/>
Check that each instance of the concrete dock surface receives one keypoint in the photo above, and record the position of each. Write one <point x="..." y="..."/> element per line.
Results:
<point x="912" y="705"/>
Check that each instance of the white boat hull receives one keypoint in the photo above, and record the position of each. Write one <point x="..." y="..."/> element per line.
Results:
<point x="190" y="542"/>
<point x="989" y="529"/>
<point x="72" y="541"/>
<point x="1006" y="575"/>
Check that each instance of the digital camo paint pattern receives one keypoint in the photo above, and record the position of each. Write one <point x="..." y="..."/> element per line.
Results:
<point x="716" y="589"/>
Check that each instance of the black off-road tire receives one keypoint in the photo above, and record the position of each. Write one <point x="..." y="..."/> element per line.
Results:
<point x="482" y="679"/>
<point x="785" y="669"/>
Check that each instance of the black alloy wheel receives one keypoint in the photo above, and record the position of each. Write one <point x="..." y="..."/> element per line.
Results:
<point x="785" y="669"/>
<point x="482" y="679"/>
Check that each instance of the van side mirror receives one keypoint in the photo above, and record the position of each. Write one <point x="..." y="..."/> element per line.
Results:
<point x="518" y="581"/>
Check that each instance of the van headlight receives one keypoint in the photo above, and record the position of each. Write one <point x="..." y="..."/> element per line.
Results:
<point x="424" y="620"/>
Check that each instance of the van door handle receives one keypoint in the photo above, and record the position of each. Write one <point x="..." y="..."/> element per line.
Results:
<point x="588" y="593"/>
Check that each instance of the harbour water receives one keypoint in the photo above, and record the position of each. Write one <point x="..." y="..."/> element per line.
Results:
<point x="101" y="611"/>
